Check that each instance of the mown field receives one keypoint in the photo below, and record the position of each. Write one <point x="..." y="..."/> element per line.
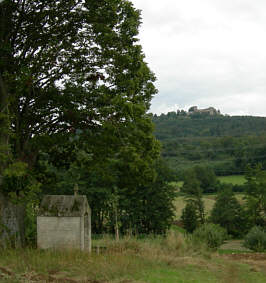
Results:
<point x="233" y="179"/>
<point x="171" y="260"/>
<point x="209" y="199"/>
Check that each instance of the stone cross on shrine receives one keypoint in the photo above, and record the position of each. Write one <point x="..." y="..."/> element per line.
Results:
<point x="76" y="189"/>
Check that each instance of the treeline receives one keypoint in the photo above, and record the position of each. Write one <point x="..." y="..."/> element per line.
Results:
<point x="207" y="181"/>
<point x="226" y="144"/>
<point x="203" y="124"/>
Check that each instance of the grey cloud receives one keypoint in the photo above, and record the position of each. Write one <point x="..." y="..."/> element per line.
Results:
<point x="211" y="54"/>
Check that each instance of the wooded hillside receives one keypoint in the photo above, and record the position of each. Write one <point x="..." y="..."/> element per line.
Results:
<point x="227" y="144"/>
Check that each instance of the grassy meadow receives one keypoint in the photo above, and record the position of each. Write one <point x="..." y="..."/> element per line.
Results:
<point x="171" y="259"/>
<point x="233" y="179"/>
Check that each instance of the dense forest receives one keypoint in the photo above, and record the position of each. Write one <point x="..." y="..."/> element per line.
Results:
<point x="227" y="144"/>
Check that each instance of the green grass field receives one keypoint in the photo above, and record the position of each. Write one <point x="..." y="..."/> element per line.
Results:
<point x="233" y="179"/>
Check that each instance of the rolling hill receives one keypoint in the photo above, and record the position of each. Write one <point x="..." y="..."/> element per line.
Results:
<point x="225" y="143"/>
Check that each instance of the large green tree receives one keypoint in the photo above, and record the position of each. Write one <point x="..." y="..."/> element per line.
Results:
<point x="193" y="194"/>
<point x="69" y="65"/>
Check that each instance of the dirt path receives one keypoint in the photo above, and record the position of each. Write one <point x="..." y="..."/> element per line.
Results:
<point x="257" y="261"/>
<point x="236" y="245"/>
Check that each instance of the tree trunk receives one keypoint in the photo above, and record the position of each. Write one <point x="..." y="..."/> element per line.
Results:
<point x="4" y="125"/>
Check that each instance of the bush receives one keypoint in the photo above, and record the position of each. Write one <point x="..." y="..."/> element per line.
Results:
<point x="213" y="235"/>
<point x="228" y="213"/>
<point x="256" y="239"/>
<point x="239" y="188"/>
<point x="189" y="217"/>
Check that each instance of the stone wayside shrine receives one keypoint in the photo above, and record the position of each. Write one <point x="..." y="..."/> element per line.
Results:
<point x="64" y="222"/>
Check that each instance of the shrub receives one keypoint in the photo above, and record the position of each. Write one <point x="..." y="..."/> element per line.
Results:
<point x="256" y="239"/>
<point x="213" y="235"/>
<point x="228" y="213"/>
<point x="189" y="217"/>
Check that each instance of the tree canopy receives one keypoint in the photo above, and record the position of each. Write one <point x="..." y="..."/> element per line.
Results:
<point x="228" y="213"/>
<point x="70" y="65"/>
<point x="255" y="195"/>
<point x="225" y="144"/>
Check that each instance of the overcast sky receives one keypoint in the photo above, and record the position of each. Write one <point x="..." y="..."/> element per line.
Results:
<point x="206" y="53"/>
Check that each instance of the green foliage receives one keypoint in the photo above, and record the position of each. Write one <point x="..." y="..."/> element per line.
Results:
<point x="228" y="213"/>
<point x="158" y="210"/>
<point x="30" y="222"/>
<point x="22" y="188"/>
<point x="126" y="188"/>
<point x="255" y="195"/>
<point x="205" y="176"/>
<point x="78" y="91"/>
<point x="237" y="182"/>
<point x="4" y="145"/>
<point x="19" y="183"/>
<point x="213" y="235"/>
<point x="256" y="239"/>
<point x="71" y="53"/>
<point x="193" y="194"/>
<point x="189" y="217"/>
<point x="17" y="169"/>
<point x="232" y="179"/>
<point x="226" y="144"/>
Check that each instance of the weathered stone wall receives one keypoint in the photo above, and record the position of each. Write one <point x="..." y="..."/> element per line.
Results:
<point x="11" y="223"/>
<point x="64" y="221"/>
<point x="60" y="232"/>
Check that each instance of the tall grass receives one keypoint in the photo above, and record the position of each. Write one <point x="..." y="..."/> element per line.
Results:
<point x="172" y="258"/>
<point x="118" y="259"/>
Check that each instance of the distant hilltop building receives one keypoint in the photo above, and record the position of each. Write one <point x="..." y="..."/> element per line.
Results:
<point x="211" y="111"/>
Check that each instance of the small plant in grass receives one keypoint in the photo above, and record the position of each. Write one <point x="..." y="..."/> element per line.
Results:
<point x="256" y="239"/>
<point x="212" y="235"/>
<point x="174" y="241"/>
